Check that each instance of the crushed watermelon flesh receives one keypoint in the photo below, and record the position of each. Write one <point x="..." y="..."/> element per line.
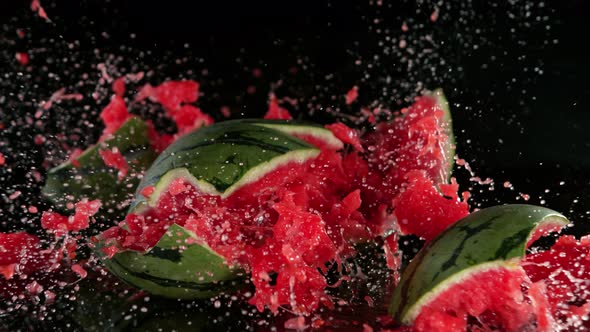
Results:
<point x="548" y="291"/>
<point x="337" y="197"/>
<point x="27" y="268"/>
<point x="305" y="217"/>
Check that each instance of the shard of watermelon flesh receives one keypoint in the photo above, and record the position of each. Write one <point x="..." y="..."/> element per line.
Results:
<point x="346" y="135"/>
<point x="565" y="269"/>
<point x="16" y="246"/>
<point x="491" y="300"/>
<point x="21" y="253"/>
<point x="267" y="227"/>
<point x="114" y="158"/>
<point x="59" y="224"/>
<point x="118" y="86"/>
<point x="276" y="112"/>
<point x="113" y="116"/>
<point x="171" y="94"/>
<point x="423" y="210"/>
<point x="414" y="141"/>
<point x="189" y="118"/>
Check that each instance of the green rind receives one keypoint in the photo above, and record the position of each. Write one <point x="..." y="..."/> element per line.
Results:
<point x="297" y="128"/>
<point x="93" y="179"/>
<point x="177" y="267"/>
<point x="492" y="237"/>
<point x="449" y="148"/>
<point x="225" y="155"/>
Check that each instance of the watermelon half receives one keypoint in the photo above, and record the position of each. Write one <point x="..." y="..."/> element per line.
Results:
<point x="470" y="276"/>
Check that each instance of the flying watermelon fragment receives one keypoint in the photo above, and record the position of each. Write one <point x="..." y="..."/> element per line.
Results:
<point x="170" y="94"/>
<point x="114" y="115"/>
<point x="346" y="135"/>
<point x="114" y="158"/>
<point x="476" y="275"/>
<point x="59" y="224"/>
<point x="22" y="58"/>
<point x="352" y="95"/>
<point x="276" y="112"/>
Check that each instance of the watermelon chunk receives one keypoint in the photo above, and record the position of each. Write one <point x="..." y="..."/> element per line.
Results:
<point x="469" y="276"/>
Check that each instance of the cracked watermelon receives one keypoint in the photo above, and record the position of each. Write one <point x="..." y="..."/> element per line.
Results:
<point x="278" y="203"/>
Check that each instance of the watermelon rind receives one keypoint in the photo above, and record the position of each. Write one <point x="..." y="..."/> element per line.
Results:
<point x="94" y="180"/>
<point x="180" y="266"/>
<point x="303" y="128"/>
<point x="224" y="157"/>
<point x="494" y="237"/>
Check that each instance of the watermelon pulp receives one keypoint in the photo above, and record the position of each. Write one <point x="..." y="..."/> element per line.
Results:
<point x="290" y="226"/>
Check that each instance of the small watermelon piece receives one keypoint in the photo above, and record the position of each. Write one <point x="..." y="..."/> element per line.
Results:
<point x="89" y="178"/>
<point x="486" y="245"/>
<point x="423" y="209"/>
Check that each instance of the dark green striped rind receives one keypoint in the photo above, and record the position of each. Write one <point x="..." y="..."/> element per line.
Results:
<point x="177" y="267"/>
<point x="94" y="180"/>
<point x="489" y="238"/>
<point x="226" y="155"/>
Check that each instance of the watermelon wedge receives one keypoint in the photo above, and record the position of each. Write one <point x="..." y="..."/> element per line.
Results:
<point x="469" y="276"/>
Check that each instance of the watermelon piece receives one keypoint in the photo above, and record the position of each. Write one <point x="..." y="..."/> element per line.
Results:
<point x="87" y="176"/>
<point x="420" y="139"/>
<point x="240" y="185"/>
<point x="245" y="189"/>
<point x="477" y="256"/>
<point x="408" y="164"/>
<point x="113" y="116"/>
<point x="423" y="209"/>
<point x="276" y="112"/>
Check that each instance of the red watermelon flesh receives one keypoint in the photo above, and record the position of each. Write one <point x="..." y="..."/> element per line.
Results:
<point x="339" y="198"/>
<point x="423" y="209"/>
<point x="284" y="228"/>
<point x="415" y="140"/>
<point x="407" y="169"/>
<point x="565" y="270"/>
<point x="498" y="299"/>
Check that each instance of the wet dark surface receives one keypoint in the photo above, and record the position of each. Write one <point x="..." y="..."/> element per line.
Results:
<point x="515" y="74"/>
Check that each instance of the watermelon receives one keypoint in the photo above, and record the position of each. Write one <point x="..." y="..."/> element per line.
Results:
<point x="279" y="201"/>
<point x="469" y="275"/>
<point x="410" y="161"/>
<point x="106" y="171"/>
<point x="228" y="188"/>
